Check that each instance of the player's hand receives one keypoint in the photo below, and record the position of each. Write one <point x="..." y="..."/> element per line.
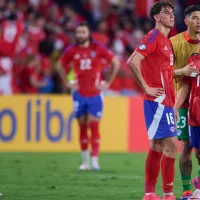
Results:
<point x="72" y="85"/>
<point x="103" y="85"/>
<point x="190" y="70"/>
<point x="154" y="92"/>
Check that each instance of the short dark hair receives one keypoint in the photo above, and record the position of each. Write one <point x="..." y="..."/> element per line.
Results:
<point x="84" y="24"/>
<point x="190" y="9"/>
<point x="157" y="7"/>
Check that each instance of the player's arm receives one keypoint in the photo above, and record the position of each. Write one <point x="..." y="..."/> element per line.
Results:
<point x="134" y="63"/>
<point x="182" y="96"/>
<point x="115" y="65"/>
<point x="63" y="67"/>
<point x="188" y="70"/>
<point x="115" y="68"/>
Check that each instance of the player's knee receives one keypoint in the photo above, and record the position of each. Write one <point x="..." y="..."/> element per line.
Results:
<point x="157" y="146"/>
<point x="171" y="147"/>
<point x="185" y="148"/>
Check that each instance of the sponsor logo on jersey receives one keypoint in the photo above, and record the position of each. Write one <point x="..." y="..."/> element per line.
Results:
<point x="142" y="47"/>
<point x="77" y="56"/>
<point x="93" y="54"/>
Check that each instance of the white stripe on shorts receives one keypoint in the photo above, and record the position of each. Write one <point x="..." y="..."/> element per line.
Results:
<point x="156" y="121"/>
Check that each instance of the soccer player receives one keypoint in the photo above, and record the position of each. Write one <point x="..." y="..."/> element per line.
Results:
<point x="151" y="65"/>
<point x="10" y="31"/>
<point x="184" y="45"/>
<point x="191" y="88"/>
<point x="85" y="57"/>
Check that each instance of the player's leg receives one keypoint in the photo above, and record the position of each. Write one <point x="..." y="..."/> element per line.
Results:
<point x="152" y="168"/>
<point x="185" y="159"/>
<point x="194" y="132"/>
<point x="82" y="118"/>
<point x="153" y="160"/>
<point x="168" y="166"/>
<point x="168" y="131"/>
<point x="160" y="125"/>
<point x="185" y="165"/>
<point x="95" y="109"/>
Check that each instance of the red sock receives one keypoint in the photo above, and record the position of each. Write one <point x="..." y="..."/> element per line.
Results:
<point x="198" y="186"/>
<point x="83" y="137"/>
<point x="95" y="137"/>
<point x="168" y="171"/>
<point x="152" y="169"/>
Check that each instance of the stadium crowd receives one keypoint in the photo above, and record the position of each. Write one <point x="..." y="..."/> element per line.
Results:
<point x="46" y="27"/>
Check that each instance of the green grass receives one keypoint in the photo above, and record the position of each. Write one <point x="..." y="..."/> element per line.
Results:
<point x="46" y="176"/>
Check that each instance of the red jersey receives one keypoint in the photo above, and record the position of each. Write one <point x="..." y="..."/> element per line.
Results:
<point x="35" y="36"/>
<point x="26" y="74"/>
<point x="158" y="66"/>
<point x="9" y="37"/>
<point x="194" y="101"/>
<point x="87" y="66"/>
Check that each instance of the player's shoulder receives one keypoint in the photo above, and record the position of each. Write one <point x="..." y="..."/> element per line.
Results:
<point x="97" y="45"/>
<point x="195" y="57"/>
<point x="152" y="36"/>
<point x="70" y="48"/>
<point x="177" y="38"/>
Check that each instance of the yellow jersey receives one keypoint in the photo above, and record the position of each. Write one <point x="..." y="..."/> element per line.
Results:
<point x="183" y="48"/>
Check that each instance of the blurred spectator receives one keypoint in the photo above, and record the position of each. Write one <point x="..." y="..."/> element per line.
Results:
<point x="49" y="29"/>
<point x="101" y="34"/>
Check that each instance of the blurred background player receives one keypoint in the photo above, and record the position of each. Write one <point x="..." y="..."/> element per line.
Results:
<point x="152" y="67"/>
<point x="10" y="32"/>
<point x="191" y="89"/>
<point x="184" y="45"/>
<point x="85" y="57"/>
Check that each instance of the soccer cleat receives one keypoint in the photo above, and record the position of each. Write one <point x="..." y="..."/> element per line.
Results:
<point x="169" y="197"/>
<point x="84" y="167"/>
<point x="96" y="167"/>
<point x="151" y="196"/>
<point x="196" y="195"/>
<point x="95" y="163"/>
<point x="186" y="195"/>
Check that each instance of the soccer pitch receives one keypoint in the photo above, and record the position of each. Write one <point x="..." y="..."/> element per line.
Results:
<point x="46" y="176"/>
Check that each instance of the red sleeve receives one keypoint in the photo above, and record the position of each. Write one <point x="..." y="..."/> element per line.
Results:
<point x="105" y="53"/>
<point x="67" y="57"/>
<point x="149" y="44"/>
<point x="187" y="80"/>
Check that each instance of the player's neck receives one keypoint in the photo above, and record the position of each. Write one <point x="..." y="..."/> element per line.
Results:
<point x="85" y="45"/>
<point x="192" y="35"/>
<point x="164" y="30"/>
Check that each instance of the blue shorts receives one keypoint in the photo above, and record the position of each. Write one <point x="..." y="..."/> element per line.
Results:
<point x="87" y="105"/>
<point x="194" y="134"/>
<point x="159" y="120"/>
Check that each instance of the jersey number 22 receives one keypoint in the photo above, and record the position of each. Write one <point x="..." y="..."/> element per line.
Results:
<point x="85" y="64"/>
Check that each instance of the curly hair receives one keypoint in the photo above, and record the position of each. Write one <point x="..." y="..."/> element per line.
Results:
<point x="157" y="7"/>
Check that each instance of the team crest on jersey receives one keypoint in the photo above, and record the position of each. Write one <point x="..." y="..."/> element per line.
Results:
<point x="93" y="54"/>
<point x="142" y="47"/>
<point x="77" y="56"/>
<point x="172" y="129"/>
<point x="179" y="132"/>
